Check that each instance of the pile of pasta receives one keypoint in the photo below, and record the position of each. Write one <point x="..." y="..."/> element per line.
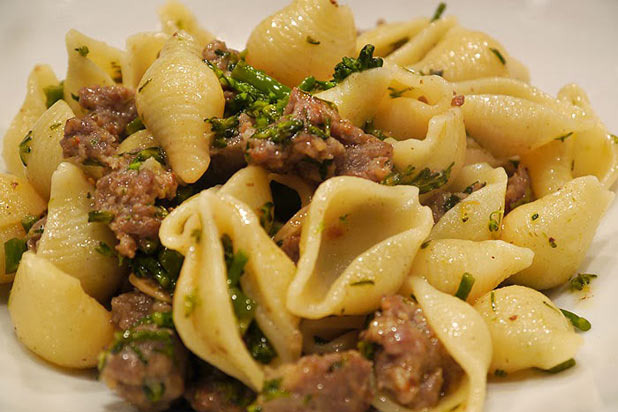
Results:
<point x="360" y="240"/>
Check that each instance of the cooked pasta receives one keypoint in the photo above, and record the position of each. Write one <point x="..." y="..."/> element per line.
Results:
<point x="294" y="228"/>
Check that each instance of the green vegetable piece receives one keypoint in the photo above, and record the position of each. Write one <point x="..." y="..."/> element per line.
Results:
<point x="581" y="280"/>
<point x="439" y="11"/>
<point x="561" y="366"/>
<point x="313" y="41"/>
<point x="161" y="319"/>
<point x="498" y="55"/>
<point x="223" y="128"/>
<point x="258" y="344"/>
<point x="367" y="349"/>
<point x="500" y="373"/>
<point x="155" y="152"/>
<point x="272" y="390"/>
<point x="244" y="308"/>
<point x="465" y="286"/>
<point x="281" y="131"/>
<point x="577" y="321"/>
<point x="13" y="250"/>
<point x="349" y="65"/>
<point x="28" y="221"/>
<point x="25" y="149"/>
<point x="100" y="216"/>
<point x="83" y="51"/>
<point x="134" y="125"/>
<point x="426" y="180"/>
<point x="154" y="391"/>
<point x="364" y="282"/>
<point x="267" y="217"/>
<point x="260" y="80"/>
<point x="53" y="94"/>
<point x="369" y="128"/>
<point x="105" y="249"/>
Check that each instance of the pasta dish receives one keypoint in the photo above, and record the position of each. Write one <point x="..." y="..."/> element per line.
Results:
<point x="328" y="220"/>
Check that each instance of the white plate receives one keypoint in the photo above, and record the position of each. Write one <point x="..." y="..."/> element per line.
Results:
<point x="560" y="41"/>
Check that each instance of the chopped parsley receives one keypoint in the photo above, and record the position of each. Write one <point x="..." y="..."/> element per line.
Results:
<point x="155" y="152"/>
<point x="134" y="125"/>
<point x="313" y="41"/>
<point x="100" y="216"/>
<point x="577" y="321"/>
<point x="561" y="366"/>
<point x="498" y="55"/>
<point x="534" y="217"/>
<point x="53" y="94"/>
<point x="564" y="137"/>
<point x="83" y="51"/>
<point x="495" y="218"/>
<point x="13" y="251"/>
<point x="426" y="180"/>
<point x="500" y="373"/>
<point x="394" y="93"/>
<point x="439" y="11"/>
<point x="369" y="128"/>
<point x="258" y="345"/>
<point x="465" y="286"/>
<point x="146" y="83"/>
<point x="363" y="282"/>
<point x="580" y="281"/>
<point x="28" y="221"/>
<point x="25" y="148"/>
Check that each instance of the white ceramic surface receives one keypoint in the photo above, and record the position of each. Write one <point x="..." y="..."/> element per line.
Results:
<point x="560" y="41"/>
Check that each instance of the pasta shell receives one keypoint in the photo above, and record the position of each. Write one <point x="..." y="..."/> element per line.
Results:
<point x="175" y="16"/>
<point x="306" y="38"/>
<point x="357" y="245"/>
<point x="142" y="51"/>
<point x="176" y="94"/>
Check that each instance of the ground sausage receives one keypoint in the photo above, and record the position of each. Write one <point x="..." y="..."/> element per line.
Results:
<point x="344" y="150"/>
<point x="216" y="392"/>
<point x="111" y="107"/>
<point x="317" y="383"/>
<point x="128" y="308"/>
<point x="129" y="195"/>
<point x="411" y="364"/>
<point x="517" y="189"/>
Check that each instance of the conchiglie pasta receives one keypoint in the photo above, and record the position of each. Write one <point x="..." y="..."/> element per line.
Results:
<point x="464" y="54"/>
<point x="443" y="148"/>
<point x="472" y="218"/>
<point x="418" y="46"/>
<point x="443" y="263"/>
<point x="40" y="78"/>
<point x="18" y="199"/>
<point x="559" y="229"/>
<point x="321" y="34"/>
<point x="55" y="318"/>
<point x="45" y="153"/>
<point x="466" y="338"/>
<point x="550" y="166"/>
<point x="174" y="97"/>
<point x="175" y="16"/>
<point x="413" y="101"/>
<point x="142" y="51"/>
<point x="70" y="242"/>
<point x="91" y="63"/>
<point x="357" y="245"/>
<point x="509" y="118"/>
<point x="385" y="37"/>
<point x="527" y="330"/>
<point x="358" y="97"/>
<point x="209" y="328"/>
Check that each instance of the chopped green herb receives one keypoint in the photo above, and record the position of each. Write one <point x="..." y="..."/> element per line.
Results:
<point x="581" y="280"/>
<point x="465" y="286"/>
<point x="614" y="138"/>
<point x="394" y="93"/>
<point x="164" y="268"/>
<point x="267" y="217"/>
<point x="155" y="152"/>
<point x="146" y="83"/>
<point x="25" y="148"/>
<point x="190" y="302"/>
<point x="363" y="282"/>
<point x="261" y="81"/>
<point x="492" y="299"/>
<point x="425" y="244"/>
<point x="439" y="11"/>
<point x="272" y="390"/>
<point x="196" y="234"/>
<point x="552" y="242"/>
<point x="28" y="221"/>
<point x="83" y="51"/>
<point x="117" y="71"/>
<point x="367" y="349"/>
<point x="577" y="321"/>
<point x="281" y="131"/>
<point x="100" y="216"/>
<point x="161" y="319"/>
<point x="495" y="218"/>
<point x="53" y="94"/>
<point x="500" y="373"/>
<point x="369" y="128"/>
<point x="134" y="125"/>
<point x="344" y="218"/>
<point x="561" y="366"/>
<point x="534" y="216"/>
<point x="13" y="250"/>
<point x="564" y="137"/>
<point x="258" y="344"/>
<point x="498" y="55"/>
<point x="154" y="391"/>
<point x="75" y="97"/>
<point x="311" y="40"/>
<point x="426" y="180"/>
<point x="55" y="126"/>
<point x="469" y="189"/>
<point x="105" y="249"/>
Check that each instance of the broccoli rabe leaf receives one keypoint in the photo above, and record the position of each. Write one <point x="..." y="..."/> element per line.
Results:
<point x="426" y="180"/>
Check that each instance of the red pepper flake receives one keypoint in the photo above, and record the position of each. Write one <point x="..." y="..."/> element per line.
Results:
<point x="423" y="99"/>
<point x="514" y="317"/>
<point x="457" y="101"/>
<point x="552" y="242"/>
